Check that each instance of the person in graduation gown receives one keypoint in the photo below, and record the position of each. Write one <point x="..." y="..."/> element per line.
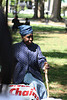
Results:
<point x="28" y="60"/>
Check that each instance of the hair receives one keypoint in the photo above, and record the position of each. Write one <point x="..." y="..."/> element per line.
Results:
<point x="26" y="19"/>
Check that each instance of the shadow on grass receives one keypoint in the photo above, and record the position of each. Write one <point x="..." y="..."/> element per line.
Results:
<point x="39" y="36"/>
<point x="48" y="28"/>
<point x="16" y="40"/>
<point x="57" y="74"/>
<point x="55" y="54"/>
<point x="16" y="37"/>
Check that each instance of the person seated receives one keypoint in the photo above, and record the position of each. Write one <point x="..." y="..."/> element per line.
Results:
<point x="16" y="23"/>
<point x="27" y="21"/>
<point x="28" y="62"/>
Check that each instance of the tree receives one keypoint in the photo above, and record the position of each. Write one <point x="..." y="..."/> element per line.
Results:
<point x="41" y="9"/>
<point x="6" y="7"/>
<point x="0" y="3"/>
<point x="7" y="11"/>
<point x="36" y="9"/>
<point x="55" y="16"/>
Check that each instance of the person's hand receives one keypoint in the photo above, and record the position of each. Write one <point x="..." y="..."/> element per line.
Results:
<point x="46" y="66"/>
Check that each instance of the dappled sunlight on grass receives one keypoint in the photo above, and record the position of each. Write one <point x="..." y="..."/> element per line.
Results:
<point x="16" y="37"/>
<point x="42" y="28"/>
<point x="54" y="47"/>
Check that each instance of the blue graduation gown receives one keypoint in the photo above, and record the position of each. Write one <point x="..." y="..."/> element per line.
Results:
<point x="27" y="59"/>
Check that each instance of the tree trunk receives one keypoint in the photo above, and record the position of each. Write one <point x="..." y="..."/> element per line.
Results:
<point x="0" y="3"/>
<point x="55" y="16"/>
<point x="41" y="9"/>
<point x="36" y="9"/>
<point x="7" y="11"/>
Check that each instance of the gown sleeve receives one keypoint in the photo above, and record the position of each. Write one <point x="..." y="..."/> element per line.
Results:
<point x="41" y="58"/>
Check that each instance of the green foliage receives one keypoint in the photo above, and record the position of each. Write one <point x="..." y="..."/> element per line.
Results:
<point x="18" y="8"/>
<point x="25" y="0"/>
<point x="3" y="3"/>
<point x="10" y="15"/>
<point x="25" y="7"/>
<point x="12" y="2"/>
<point x="63" y="0"/>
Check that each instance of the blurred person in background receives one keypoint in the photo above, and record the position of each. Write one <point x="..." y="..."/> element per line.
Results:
<point x="16" y="23"/>
<point x="27" y="21"/>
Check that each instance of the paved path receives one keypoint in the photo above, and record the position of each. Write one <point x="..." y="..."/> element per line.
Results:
<point x="37" y="22"/>
<point x="49" y="23"/>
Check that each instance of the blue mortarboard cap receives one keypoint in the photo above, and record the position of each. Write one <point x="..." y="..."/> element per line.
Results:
<point x="25" y="30"/>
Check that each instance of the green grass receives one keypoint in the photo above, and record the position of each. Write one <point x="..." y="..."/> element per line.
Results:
<point x="10" y="15"/>
<point x="28" y="15"/>
<point x="47" y="28"/>
<point x="53" y="43"/>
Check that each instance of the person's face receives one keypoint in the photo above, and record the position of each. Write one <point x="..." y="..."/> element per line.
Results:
<point x="28" y="39"/>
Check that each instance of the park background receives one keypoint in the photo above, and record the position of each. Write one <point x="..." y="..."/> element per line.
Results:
<point x="47" y="18"/>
